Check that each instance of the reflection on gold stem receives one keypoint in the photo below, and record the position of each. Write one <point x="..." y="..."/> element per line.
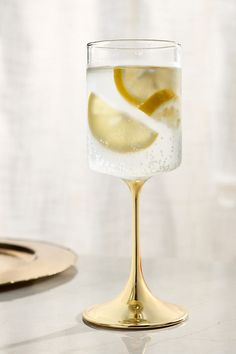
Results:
<point x="136" y="280"/>
<point x="136" y="344"/>
<point x="135" y="307"/>
<point x="136" y="266"/>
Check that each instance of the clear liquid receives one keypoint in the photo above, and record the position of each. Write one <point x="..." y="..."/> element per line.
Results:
<point x="132" y="134"/>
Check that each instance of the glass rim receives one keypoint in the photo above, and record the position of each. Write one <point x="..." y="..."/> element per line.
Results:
<point x="104" y="44"/>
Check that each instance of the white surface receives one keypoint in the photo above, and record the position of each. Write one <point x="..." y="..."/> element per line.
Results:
<point x="46" y="189"/>
<point x="46" y="317"/>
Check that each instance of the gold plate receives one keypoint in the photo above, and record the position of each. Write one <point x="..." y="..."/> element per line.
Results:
<point x="22" y="260"/>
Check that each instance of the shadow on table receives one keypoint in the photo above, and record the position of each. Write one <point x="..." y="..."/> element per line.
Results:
<point x="24" y="289"/>
<point x="134" y="341"/>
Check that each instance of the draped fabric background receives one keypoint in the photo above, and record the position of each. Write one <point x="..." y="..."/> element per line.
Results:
<point x="47" y="191"/>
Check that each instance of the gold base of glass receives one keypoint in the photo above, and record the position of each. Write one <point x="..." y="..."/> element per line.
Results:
<point x="135" y="307"/>
<point x="125" y="312"/>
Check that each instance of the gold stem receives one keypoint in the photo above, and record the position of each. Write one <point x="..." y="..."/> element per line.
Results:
<point x="136" y="274"/>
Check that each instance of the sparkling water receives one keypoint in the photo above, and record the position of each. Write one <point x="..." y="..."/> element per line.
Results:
<point x="147" y="143"/>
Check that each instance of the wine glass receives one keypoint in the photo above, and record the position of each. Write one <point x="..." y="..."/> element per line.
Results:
<point x="134" y="132"/>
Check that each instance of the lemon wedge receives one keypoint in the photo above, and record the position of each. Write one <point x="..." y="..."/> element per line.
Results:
<point x="116" y="130"/>
<point x="163" y="106"/>
<point x="156" y="100"/>
<point x="152" y="90"/>
<point x="169" y="113"/>
<point x="136" y="84"/>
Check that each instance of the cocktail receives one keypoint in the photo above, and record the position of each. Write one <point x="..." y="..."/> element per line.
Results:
<point x="134" y="132"/>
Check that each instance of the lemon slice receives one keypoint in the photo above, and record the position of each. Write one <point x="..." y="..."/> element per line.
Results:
<point x="156" y="100"/>
<point x="169" y="113"/>
<point x="163" y="106"/>
<point x="116" y="130"/>
<point x="137" y="84"/>
<point x="152" y="90"/>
